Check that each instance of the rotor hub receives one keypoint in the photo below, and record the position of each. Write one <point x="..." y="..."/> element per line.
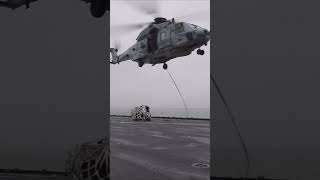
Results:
<point x="160" y="20"/>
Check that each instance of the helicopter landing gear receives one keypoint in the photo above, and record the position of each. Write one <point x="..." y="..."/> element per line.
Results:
<point x="165" y="66"/>
<point x="200" y="52"/>
<point x="140" y="63"/>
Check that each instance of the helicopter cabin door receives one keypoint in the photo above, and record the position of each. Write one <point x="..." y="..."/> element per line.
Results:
<point x="164" y="38"/>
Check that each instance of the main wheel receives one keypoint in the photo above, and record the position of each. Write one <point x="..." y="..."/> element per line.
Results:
<point x="200" y="52"/>
<point x="140" y="63"/>
<point x="98" y="8"/>
<point x="165" y="66"/>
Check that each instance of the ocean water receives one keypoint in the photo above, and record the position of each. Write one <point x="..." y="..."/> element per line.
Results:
<point x="168" y="112"/>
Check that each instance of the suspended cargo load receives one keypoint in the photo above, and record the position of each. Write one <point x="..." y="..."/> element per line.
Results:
<point x="141" y="113"/>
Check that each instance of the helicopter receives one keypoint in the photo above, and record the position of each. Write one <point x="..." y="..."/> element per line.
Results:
<point x="161" y="41"/>
<point x="97" y="7"/>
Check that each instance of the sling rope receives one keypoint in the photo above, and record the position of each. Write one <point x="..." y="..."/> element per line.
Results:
<point x="184" y="103"/>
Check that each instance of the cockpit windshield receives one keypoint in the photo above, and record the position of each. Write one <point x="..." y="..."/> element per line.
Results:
<point x="188" y="27"/>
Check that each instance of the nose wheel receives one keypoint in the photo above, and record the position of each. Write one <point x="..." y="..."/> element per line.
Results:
<point x="165" y="66"/>
<point x="200" y="52"/>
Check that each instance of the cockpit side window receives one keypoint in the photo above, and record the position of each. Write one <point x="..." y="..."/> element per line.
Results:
<point x="195" y="26"/>
<point x="179" y="28"/>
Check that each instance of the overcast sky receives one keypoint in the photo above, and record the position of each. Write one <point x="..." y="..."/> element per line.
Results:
<point x="151" y="85"/>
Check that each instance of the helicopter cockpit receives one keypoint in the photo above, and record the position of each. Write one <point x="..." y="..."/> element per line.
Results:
<point x="182" y="27"/>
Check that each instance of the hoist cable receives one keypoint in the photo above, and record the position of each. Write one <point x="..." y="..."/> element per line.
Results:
<point x="184" y="103"/>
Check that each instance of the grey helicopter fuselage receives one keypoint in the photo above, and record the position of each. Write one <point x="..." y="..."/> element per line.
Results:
<point x="163" y="41"/>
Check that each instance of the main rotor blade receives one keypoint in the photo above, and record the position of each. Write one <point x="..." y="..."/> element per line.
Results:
<point x="203" y="15"/>
<point x="125" y="28"/>
<point x="148" y="7"/>
<point x="116" y="45"/>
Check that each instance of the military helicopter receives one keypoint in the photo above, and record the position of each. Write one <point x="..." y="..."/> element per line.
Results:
<point x="163" y="40"/>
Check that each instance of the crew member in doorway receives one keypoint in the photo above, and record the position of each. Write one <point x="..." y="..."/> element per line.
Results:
<point x="152" y="40"/>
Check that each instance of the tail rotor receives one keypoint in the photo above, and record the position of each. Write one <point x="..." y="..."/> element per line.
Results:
<point x="114" y="52"/>
<point x="114" y="56"/>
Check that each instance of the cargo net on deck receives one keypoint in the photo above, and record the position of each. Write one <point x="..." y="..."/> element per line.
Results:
<point x="90" y="161"/>
<point x="141" y="113"/>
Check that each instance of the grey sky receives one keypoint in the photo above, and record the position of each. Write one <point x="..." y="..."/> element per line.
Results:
<point x="131" y="85"/>
<point x="53" y="82"/>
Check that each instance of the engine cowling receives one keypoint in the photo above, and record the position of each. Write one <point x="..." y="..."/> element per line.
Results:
<point x="98" y="8"/>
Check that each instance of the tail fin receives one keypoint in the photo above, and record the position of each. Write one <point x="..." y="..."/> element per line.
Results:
<point x="115" y="57"/>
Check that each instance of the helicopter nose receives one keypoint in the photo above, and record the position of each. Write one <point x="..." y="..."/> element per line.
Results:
<point x="203" y="32"/>
<point x="203" y="35"/>
<point x="207" y="35"/>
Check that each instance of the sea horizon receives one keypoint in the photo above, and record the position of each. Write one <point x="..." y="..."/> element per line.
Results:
<point x="203" y="113"/>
